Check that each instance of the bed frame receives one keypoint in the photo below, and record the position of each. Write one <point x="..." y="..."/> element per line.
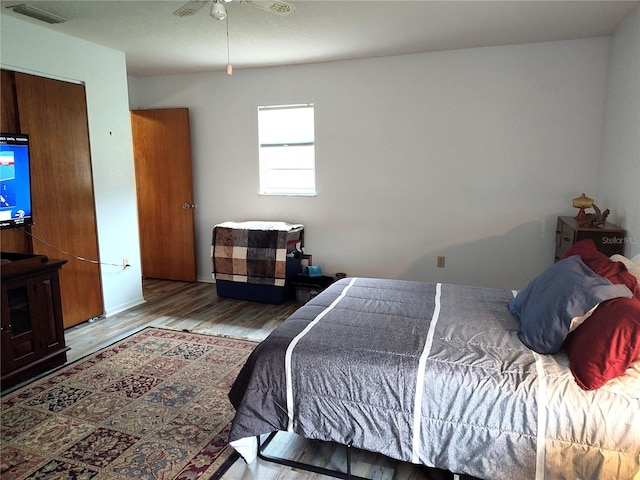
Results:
<point x="262" y="446"/>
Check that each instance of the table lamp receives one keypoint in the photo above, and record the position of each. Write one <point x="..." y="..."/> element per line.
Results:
<point x="582" y="202"/>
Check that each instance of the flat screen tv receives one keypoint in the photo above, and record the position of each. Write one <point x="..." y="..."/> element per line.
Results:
<point x="15" y="180"/>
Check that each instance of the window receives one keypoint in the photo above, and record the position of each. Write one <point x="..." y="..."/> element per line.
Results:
<point x="287" y="150"/>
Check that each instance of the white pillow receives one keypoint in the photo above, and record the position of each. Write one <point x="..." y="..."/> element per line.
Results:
<point x="632" y="265"/>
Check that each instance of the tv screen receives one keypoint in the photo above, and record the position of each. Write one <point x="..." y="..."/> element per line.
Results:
<point x="15" y="180"/>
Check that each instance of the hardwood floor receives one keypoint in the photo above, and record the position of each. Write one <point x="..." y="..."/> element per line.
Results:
<point x="196" y="307"/>
<point x="180" y="306"/>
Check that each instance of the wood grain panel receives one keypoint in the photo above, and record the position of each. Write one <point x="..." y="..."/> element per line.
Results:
<point x="13" y="239"/>
<point x="162" y="155"/>
<point x="54" y="115"/>
<point x="9" y="111"/>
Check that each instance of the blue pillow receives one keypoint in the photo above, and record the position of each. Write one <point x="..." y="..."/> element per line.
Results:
<point x="565" y="290"/>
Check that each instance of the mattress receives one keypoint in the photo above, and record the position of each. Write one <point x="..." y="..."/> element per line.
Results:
<point x="433" y="374"/>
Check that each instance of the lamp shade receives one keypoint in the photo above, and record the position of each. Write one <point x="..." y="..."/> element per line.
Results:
<point x="583" y="201"/>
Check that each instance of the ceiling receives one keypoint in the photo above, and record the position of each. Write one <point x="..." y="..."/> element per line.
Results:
<point x="156" y="42"/>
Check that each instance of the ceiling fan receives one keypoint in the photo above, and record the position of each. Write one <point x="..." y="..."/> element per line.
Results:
<point x="219" y="12"/>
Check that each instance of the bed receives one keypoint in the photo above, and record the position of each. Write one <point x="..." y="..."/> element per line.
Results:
<point x="441" y="375"/>
<point x="256" y="260"/>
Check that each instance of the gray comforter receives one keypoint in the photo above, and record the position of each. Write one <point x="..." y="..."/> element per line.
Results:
<point x="434" y="374"/>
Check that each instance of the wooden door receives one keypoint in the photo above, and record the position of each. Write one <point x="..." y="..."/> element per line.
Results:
<point x="54" y="114"/>
<point x="162" y="155"/>
<point x="11" y="239"/>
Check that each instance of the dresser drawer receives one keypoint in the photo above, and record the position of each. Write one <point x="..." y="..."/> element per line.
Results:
<point x="608" y="243"/>
<point x="565" y="237"/>
<point x="609" y="239"/>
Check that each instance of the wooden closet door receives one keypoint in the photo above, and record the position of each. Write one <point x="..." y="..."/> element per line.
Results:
<point x="162" y="156"/>
<point x="54" y="114"/>
<point x="11" y="239"/>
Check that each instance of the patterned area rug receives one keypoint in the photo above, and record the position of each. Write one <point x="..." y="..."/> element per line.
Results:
<point x="152" y="406"/>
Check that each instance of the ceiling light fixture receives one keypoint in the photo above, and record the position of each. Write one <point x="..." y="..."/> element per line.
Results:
<point x="37" y="13"/>
<point x="217" y="10"/>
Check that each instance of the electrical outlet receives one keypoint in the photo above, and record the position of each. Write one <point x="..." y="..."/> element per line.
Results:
<point x="125" y="263"/>
<point x="440" y="263"/>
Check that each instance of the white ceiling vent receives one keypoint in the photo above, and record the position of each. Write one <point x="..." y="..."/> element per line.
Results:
<point x="37" y="13"/>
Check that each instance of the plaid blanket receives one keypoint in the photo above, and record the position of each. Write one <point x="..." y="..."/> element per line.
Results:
<point x="253" y="252"/>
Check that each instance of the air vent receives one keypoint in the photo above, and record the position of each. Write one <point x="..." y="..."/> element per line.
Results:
<point x="37" y="13"/>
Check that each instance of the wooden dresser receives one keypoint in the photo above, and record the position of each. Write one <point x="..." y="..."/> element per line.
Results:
<point x="609" y="238"/>
<point x="32" y="328"/>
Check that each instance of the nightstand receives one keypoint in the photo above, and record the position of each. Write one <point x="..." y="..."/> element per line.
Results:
<point x="609" y="238"/>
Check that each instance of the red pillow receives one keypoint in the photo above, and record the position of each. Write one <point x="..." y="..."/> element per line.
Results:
<point x="606" y="343"/>
<point x="602" y="265"/>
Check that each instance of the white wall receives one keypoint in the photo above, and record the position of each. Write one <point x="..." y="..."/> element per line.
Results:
<point x="470" y="154"/>
<point x="32" y="49"/>
<point x="619" y="178"/>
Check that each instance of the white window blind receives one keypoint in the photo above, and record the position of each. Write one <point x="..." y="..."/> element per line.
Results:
<point x="287" y="150"/>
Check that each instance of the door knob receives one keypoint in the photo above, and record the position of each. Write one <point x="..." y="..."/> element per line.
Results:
<point x="188" y="206"/>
